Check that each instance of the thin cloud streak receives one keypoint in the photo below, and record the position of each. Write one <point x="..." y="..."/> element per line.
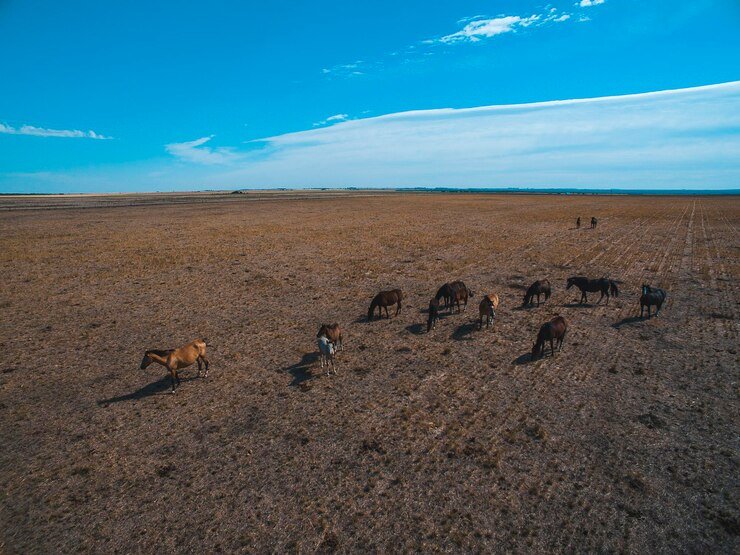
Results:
<point x="42" y="132"/>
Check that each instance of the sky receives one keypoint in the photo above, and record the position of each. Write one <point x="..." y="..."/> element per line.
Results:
<point x="159" y="96"/>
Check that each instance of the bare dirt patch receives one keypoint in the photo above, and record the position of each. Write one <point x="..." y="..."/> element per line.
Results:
<point x="453" y="440"/>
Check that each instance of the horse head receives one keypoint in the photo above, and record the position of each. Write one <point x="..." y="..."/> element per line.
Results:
<point x="571" y="282"/>
<point x="146" y="361"/>
<point x="536" y="350"/>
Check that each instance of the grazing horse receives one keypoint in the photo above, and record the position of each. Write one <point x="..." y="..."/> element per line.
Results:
<point x="460" y="292"/>
<point x="176" y="359"/>
<point x="487" y="310"/>
<point x="552" y="331"/>
<point x="578" y="223"/>
<point x="605" y="286"/>
<point x="651" y="296"/>
<point x="538" y="288"/>
<point x="594" y="221"/>
<point x="433" y="314"/>
<point x="444" y="292"/>
<point x="332" y="332"/>
<point x="384" y="299"/>
<point x="326" y="353"/>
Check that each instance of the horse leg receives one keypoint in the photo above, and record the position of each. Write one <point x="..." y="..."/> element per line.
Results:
<point x="398" y="308"/>
<point x="173" y="375"/>
<point x="198" y="361"/>
<point x="552" y="347"/>
<point x="205" y="361"/>
<point x="642" y="310"/>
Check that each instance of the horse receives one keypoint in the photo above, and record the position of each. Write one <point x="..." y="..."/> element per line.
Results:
<point x="552" y="331"/>
<point x="603" y="285"/>
<point x="332" y="332"/>
<point x="384" y="299"/>
<point x="487" y="310"/>
<point x="594" y="221"/>
<point x="460" y="292"/>
<point x="538" y="288"/>
<point x="444" y="292"/>
<point x="326" y="353"/>
<point x="651" y="296"/>
<point x="433" y="314"/>
<point x="176" y="359"/>
<point x="578" y="223"/>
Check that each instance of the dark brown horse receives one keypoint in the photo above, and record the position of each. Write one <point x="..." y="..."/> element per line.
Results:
<point x="384" y="299"/>
<point x="444" y="293"/>
<point x="433" y="314"/>
<point x="651" y="296"/>
<point x="594" y="221"/>
<point x="540" y="287"/>
<point x="333" y="333"/>
<point x="487" y="310"/>
<point x="603" y="285"/>
<point x="552" y="331"/>
<point x="460" y="293"/>
<point x="578" y="223"/>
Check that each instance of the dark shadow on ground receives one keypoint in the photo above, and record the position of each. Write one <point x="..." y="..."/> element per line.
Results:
<point x="576" y="304"/>
<point x="626" y="322"/>
<point x="161" y="386"/>
<point x="529" y="307"/>
<point x="301" y="371"/>
<point x="463" y="331"/>
<point x="416" y="329"/>
<point x="526" y="358"/>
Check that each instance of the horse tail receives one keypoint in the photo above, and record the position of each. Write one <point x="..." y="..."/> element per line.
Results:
<point x="613" y="289"/>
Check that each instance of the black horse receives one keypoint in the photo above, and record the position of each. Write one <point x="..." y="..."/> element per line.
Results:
<point x="594" y="221"/>
<point x="444" y="292"/>
<point x="604" y="286"/>
<point x="537" y="288"/>
<point x="651" y="296"/>
<point x="433" y="315"/>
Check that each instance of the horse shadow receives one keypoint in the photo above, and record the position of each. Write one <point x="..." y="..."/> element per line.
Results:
<point x="301" y="371"/>
<point x="525" y="307"/>
<point x="576" y="304"/>
<point x="160" y="387"/>
<point x="463" y="331"/>
<point x="627" y="321"/>
<point x="526" y="358"/>
<point x="416" y="329"/>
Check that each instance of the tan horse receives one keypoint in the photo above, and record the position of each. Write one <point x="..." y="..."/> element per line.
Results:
<point x="176" y="359"/>
<point x="487" y="310"/>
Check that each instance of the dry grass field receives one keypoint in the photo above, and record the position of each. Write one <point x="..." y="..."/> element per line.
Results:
<point x="453" y="441"/>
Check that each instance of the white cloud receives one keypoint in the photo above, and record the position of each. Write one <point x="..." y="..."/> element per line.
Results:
<point x="194" y="151"/>
<point x="480" y="27"/>
<point x="589" y="3"/>
<point x="336" y="118"/>
<point x="668" y="138"/>
<point x="42" y="132"/>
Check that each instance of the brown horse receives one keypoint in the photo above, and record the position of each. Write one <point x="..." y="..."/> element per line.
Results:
<point x="433" y="314"/>
<point x="487" y="310"/>
<point x="552" y="331"/>
<point x="384" y="299"/>
<point x="460" y="293"/>
<point x="539" y="287"/>
<point x="176" y="359"/>
<point x="333" y="333"/>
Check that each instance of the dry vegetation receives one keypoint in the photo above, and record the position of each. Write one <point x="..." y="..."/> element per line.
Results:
<point x="454" y="440"/>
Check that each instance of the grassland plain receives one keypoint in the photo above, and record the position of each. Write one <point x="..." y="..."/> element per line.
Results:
<point x="448" y="441"/>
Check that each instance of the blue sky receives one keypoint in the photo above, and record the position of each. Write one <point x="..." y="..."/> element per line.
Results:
<point x="99" y="97"/>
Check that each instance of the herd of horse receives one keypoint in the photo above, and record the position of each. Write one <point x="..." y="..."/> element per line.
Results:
<point x="449" y="296"/>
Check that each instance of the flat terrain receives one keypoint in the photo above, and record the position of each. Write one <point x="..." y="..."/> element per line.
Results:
<point x="454" y="440"/>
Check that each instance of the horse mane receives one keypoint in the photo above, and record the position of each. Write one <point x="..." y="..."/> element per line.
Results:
<point x="160" y="352"/>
